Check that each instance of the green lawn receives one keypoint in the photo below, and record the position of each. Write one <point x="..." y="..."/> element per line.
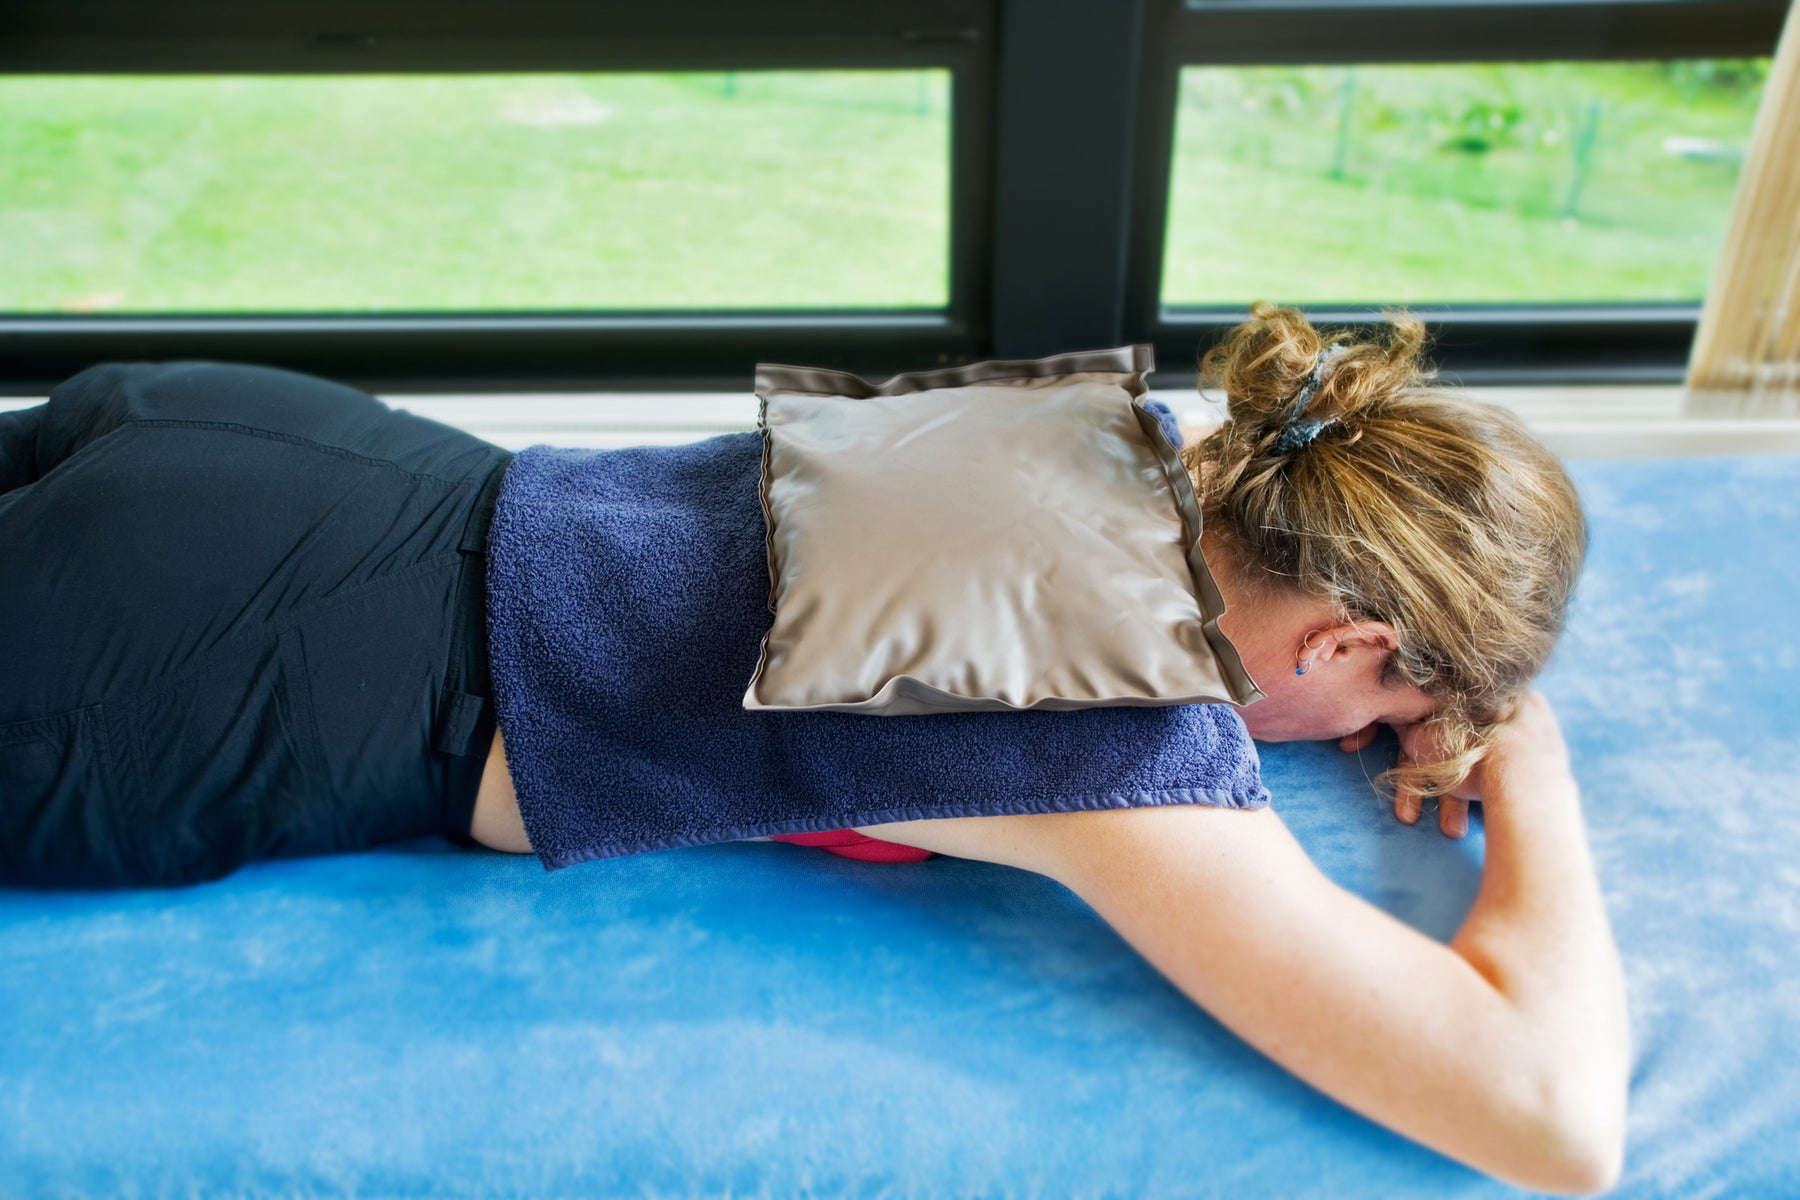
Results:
<point x="474" y="192"/>
<point x="1393" y="184"/>
<point x="1471" y="183"/>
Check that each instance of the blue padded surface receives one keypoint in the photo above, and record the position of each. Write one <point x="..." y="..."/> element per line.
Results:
<point x="765" y="1019"/>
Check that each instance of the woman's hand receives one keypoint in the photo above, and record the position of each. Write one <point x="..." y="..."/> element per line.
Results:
<point x="1529" y="740"/>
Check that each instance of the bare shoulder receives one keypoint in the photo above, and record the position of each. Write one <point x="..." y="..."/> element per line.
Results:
<point x="1059" y="844"/>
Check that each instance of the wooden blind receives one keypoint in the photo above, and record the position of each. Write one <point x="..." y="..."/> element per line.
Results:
<point x="1746" y="356"/>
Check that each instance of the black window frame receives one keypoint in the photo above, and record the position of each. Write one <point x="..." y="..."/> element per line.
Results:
<point x="1062" y="132"/>
<point x="1474" y="344"/>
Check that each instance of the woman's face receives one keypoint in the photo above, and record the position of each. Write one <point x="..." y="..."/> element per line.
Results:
<point x="1341" y="692"/>
<point x="1326" y="704"/>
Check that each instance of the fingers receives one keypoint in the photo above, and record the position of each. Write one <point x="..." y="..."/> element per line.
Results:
<point x="1406" y="799"/>
<point x="1453" y="812"/>
<point x="1359" y="740"/>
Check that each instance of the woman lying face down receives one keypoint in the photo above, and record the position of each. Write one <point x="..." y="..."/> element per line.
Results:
<point x="1388" y="557"/>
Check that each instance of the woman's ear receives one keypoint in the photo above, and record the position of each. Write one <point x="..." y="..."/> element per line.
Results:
<point x="1359" y="635"/>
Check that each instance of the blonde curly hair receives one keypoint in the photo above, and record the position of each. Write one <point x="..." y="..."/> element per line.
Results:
<point x="1440" y="515"/>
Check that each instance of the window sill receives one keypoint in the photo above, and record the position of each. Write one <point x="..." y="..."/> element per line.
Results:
<point x="1577" y="422"/>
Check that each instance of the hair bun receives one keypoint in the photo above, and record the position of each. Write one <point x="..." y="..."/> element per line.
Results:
<point x="1296" y="431"/>
<point x="1285" y="382"/>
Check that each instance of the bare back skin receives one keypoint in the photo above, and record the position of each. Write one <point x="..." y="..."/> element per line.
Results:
<point x="497" y="823"/>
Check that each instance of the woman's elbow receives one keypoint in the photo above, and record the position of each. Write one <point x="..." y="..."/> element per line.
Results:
<point x="1585" y="1172"/>
<point x="1582" y="1145"/>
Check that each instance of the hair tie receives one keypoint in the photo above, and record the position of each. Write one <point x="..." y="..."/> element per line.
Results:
<point x="1296" y="433"/>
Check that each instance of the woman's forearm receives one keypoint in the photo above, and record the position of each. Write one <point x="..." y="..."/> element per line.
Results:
<point x="1539" y="933"/>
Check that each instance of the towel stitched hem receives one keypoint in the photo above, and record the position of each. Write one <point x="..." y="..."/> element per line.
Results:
<point x="1164" y="798"/>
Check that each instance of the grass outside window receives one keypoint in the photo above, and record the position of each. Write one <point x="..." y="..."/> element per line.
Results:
<point x="1505" y="183"/>
<point x="433" y="193"/>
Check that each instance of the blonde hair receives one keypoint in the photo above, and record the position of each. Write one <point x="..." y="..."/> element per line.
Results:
<point x="1442" y="516"/>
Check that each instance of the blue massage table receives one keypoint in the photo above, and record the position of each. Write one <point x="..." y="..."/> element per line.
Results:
<point x="759" y="1019"/>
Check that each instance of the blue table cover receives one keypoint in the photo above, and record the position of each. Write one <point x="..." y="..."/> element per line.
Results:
<point x="761" y="1019"/>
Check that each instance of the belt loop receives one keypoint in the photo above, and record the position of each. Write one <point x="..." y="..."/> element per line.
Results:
<point x="459" y="723"/>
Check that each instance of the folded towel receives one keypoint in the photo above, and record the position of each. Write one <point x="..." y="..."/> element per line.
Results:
<point x="627" y="602"/>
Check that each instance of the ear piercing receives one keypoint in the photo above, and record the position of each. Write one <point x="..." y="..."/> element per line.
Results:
<point x="1306" y="644"/>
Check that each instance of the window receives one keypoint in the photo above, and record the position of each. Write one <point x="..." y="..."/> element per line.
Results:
<point x="561" y="195"/>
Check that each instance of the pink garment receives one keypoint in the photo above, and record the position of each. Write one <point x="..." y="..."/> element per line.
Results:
<point x="852" y="844"/>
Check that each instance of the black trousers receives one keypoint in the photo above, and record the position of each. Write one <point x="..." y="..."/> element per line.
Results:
<point x="242" y="616"/>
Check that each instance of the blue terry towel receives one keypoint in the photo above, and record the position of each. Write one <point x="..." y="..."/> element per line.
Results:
<point x="627" y="601"/>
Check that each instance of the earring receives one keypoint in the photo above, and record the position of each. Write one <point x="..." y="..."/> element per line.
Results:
<point x="1305" y="644"/>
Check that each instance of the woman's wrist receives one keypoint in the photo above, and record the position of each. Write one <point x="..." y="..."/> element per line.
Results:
<point x="1528" y="767"/>
<point x="1528" y="785"/>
